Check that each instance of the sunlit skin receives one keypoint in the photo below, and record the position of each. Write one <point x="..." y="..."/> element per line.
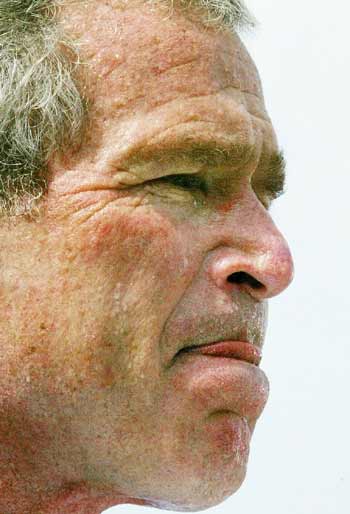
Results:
<point x="121" y="272"/>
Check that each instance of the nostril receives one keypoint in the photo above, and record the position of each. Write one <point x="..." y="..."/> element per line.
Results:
<point x="240" y="277"/>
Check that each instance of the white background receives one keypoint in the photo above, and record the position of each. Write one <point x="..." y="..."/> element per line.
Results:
<point x="300" y="453"/>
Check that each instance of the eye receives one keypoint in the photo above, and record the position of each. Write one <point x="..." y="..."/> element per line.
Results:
<point x="184" y="181"/>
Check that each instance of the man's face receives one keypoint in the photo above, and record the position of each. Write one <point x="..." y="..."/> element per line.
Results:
<point x="127" y="267"/>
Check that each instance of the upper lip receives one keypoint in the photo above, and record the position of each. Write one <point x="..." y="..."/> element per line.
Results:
<point x="246" y="322"/>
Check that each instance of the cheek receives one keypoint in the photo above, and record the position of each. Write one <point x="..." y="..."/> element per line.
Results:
<point x="132" y="267"/>
<point x="140" y="238"/>
<point x="135" y="263"/>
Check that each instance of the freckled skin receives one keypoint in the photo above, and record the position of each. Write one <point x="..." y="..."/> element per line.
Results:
<point x="100" y="294"/>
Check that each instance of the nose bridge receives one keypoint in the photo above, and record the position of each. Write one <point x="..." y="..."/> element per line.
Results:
<point x="254" y="255"/>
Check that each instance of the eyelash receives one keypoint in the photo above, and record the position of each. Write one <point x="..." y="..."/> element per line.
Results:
<point x="184" y="181"/>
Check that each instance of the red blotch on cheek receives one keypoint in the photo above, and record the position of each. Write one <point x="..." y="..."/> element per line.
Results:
<point x="125" y="239"/>
<point x="105" y="230"/>
<point x="98" y="241"/>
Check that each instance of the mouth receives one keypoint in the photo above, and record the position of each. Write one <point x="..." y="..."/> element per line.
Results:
<point x="238" y="350"/>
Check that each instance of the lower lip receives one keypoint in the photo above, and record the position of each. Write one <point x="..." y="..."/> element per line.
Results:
<point x="222" y="384"/>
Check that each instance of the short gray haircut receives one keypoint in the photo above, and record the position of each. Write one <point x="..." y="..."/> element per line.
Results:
<point x="231" y="14"/>
<point x="42" y="108"/>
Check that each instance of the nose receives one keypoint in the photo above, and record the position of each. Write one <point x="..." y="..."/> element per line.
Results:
<point x="255" y="259"/>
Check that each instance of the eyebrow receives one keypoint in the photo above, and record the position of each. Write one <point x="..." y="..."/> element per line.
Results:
<point x="208" y="153"/>
<point x="270" y="175"/>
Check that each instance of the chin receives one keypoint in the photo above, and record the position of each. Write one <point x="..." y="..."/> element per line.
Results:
<point x="202" y="496"/>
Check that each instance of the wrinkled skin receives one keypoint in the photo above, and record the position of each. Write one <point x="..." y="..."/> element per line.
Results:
<point x="120" y="273"/>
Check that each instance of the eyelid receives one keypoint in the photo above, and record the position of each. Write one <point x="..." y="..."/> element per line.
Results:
<point x="186" y="181"/>
<point x="196" y="183"/>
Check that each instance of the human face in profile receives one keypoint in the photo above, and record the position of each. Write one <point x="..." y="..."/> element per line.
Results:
<point x="157" y="237"/>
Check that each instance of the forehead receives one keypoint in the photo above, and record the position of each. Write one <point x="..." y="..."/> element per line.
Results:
<point x="146" y="52"/>
<point x="158" y="81"/>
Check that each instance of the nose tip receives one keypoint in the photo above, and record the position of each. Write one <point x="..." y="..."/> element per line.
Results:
<point x="262" y="274"/>
<point x="275" y="269"/>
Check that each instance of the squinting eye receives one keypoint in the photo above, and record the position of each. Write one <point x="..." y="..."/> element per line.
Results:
<point x="185" y="181"/>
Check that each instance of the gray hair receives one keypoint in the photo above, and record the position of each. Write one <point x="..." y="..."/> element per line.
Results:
<point x="42" y="109"/>
<point x="231" y="14"/>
